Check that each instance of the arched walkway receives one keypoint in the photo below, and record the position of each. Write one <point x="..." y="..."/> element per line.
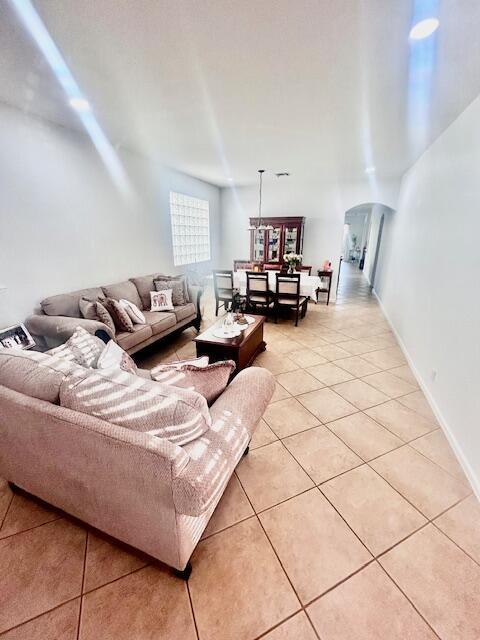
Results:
<point x="361" y="248"/>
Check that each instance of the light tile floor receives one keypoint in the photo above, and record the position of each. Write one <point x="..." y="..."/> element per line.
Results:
<point x="350" y="519"/>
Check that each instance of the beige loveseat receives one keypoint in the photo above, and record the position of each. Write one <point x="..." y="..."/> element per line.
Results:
<point x="60" y="315"/>
<point x="144" y="490"/>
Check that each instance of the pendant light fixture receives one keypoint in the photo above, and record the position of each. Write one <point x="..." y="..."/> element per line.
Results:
<point x="260" y="226"/>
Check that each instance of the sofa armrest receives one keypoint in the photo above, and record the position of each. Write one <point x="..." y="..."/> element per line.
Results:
<point x="235" y="416"/>
<point x="195" y="293"/>
<point x="114" y="478"/>
<point x="61" y="328"/>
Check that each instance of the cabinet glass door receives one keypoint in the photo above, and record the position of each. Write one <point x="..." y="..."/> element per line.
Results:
<point x="259" y="245"/>
<point x="291" y="236"/>
<point x="274" y="237"/>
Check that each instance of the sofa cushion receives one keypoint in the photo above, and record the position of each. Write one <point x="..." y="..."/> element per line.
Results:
<point x="144" y="285"/>
<point x="210" y="381"/>
<point x="66" y="304"/>
<point x="185" y="311"/>
<point x="179" y="415"/>
<point x="38" y="375"/>
<point x="126" y="290"/>
<point x="160" y="321"/>
<point x="128" y="340"/>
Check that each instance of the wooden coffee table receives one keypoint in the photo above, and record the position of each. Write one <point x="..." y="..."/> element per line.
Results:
<point x="242" y="350"/>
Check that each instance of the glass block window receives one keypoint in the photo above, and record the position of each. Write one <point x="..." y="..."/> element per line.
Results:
<point x="190" y="218"/>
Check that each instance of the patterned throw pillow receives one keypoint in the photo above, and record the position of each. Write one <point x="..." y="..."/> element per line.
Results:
<point x="120" y="316"/>
<point x="82" y="347"/>
<point x="178" y="292"/>
<point x="114" y="357"/>
<point x="178" y="415"/>
<point x="95" y="310"/>
<point x="161" y="300"/>
<point x="183" y="278"/>
<point x="134" y="313"/>
<point x="209" y="381"/>
<point x="194" y="362"/>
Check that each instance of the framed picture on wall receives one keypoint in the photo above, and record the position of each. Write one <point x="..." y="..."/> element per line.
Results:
<point x="16" y="337"/>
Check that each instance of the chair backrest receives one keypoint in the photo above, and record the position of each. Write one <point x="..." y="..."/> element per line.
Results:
<point x="257" y="285"/>
<point x="242" y="265"/>
<point x="288" y="286"/>
<point x="306" y="269"/>
<point x="222" y="281"/>
<point x="272" y="266"/>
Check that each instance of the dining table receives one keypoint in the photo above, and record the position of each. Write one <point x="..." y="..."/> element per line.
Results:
<point x="310" y="286"/>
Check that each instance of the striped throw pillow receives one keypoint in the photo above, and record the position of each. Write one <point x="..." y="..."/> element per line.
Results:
<point x="179" y="415"/>
<point x="82" y="347"/>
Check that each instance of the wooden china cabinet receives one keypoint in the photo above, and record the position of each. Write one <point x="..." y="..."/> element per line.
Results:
<point x="270" y="245"/>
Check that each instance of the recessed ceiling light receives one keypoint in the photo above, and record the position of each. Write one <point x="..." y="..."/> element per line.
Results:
<point x="79" y="104"/>
<point x="370" y="170"/>
<point x="424" y="28"/>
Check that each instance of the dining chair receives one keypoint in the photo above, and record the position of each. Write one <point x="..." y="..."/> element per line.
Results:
<point x="305" y="269"/>
<point x="224" y="289"/>
<point x="242" y="265"/>
<point x="287" y="295"/>
<point x="272" y="266"/>
<point x="258" y="293"/>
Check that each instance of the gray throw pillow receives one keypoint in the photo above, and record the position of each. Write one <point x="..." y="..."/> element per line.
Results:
<point x="183" y="278"/>
<point x="177" y="287"/>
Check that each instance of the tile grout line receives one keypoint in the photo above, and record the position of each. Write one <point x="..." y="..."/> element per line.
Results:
<point x="408" y="599"/>
<point x="280" y="563"/>
<point x="6" y="512"/>
<point x="87" y="535"/>
<point x="39" y="615"/>
<point x="192" y="610"/>
<point x="332" y="505"/>
<point x="37" y="526"/>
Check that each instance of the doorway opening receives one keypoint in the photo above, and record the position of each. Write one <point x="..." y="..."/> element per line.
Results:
<point x="361" y="249"/>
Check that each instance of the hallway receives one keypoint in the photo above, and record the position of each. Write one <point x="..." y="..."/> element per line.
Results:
<point x="352" y="284"/>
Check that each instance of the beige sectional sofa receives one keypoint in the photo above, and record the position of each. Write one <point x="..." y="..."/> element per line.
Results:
<point x="144" y="490"/>
<point x="60" y="315"/>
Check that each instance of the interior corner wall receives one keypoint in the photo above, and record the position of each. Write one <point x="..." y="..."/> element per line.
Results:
<point x="322" y="204"/>
<point x="428" y="280"/>
<point x="63" y="223"/>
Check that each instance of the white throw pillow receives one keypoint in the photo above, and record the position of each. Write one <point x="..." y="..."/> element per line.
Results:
<point x="134" y="313"/>
<point x="114" y="357"/>
<point x="161" y="300"/>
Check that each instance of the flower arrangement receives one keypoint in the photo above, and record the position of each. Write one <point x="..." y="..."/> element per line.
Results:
<point x="293" y="260"/>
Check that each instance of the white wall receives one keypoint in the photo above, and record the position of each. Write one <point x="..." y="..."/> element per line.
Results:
<point x="428" y="279"/>
<point x="378" y="210"/>
<point x="323" y="205"/>
<point x="63" y="223"/>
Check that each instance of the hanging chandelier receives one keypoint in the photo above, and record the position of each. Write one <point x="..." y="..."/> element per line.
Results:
<point x="260" y="226"/>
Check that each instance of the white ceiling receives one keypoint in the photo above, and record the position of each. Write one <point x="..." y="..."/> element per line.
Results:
<point x="220" y="88"/>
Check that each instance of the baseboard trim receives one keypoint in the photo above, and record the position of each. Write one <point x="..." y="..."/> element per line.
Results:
<point x="457" y="449"/>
